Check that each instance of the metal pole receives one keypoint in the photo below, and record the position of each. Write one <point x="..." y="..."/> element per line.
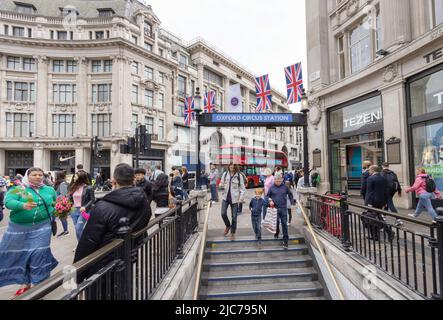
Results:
<point x="125" y="269"/>
<point x="345" y="222"/>
<point x="306" y="151"/>
<point x="198" y="173"/>
<point x="439" y="220"/>
<point x="137" y="147"/>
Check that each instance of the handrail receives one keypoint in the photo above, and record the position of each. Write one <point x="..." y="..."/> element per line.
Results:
<point x="311" y="230"/>
<point x="202" y="252"/>
<point x="56" y="280"/>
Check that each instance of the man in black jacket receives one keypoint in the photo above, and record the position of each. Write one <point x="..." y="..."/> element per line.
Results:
<point x="364" y="179"/>
<point x="377" y="197"/>
<point x="393" y="188"/>
<point x="125" y="201"/>
<point x="141" y="182"/>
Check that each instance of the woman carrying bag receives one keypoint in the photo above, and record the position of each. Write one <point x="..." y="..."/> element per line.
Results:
<point x="82" y="196"/>
<point x="25" y="253"/>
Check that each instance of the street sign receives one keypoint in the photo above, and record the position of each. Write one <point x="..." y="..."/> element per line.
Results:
<point x="252" y="119"/>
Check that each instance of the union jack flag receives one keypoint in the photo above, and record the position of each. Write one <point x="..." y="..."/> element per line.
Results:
<point x="294" y="81"/>
<point x="189" y="111"/>
<point x="209" y="102"/>
<point x="264" y="96"/>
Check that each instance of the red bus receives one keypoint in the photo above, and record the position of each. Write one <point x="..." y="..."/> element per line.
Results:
<point x="252" y="161"/>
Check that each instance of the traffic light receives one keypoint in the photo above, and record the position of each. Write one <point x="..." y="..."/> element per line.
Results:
<point x="131" y="145"/>
<point x="145" y="139"/>
<point x="98" y="147"/>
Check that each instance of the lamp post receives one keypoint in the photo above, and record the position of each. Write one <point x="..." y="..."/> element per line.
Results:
<point x="198" y="111"/>
<point x="305" y="111"/>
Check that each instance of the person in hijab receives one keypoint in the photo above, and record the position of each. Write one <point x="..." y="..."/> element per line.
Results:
<point x="25" y="253"/>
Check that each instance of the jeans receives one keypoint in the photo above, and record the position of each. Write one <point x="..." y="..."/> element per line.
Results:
<point x="1" y="214"/>
<point x="282" y="217"/>
<point x="256" y="225"/>
<point x="390" y="206"/>
<point x="290" y="215"/>
<point x="64" y="224"/>
<point x="214" y="193"/>
<point x="224" y="212"/>
<point x="240" y="208"/>
<point x="424" y="203"/>
<point x="79" y="223"/>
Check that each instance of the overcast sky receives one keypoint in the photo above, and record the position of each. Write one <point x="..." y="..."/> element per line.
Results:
<point x="264" y="36"/>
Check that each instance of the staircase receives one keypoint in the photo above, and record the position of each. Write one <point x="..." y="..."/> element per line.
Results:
<point x="240" y="271"/>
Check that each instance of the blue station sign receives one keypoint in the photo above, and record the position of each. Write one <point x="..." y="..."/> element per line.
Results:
<point x="252" y="119"/>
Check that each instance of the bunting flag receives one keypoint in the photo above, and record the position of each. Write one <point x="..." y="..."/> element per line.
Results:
<point x="209" y="102"/>
<point x="235" y="99"/>
<point x="294" y="82"/>
<point x="189" y="111"/>
<point x="264" y="96"/>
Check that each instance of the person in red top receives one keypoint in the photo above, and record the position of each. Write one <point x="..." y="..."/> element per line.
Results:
<point x="424" y="196"/>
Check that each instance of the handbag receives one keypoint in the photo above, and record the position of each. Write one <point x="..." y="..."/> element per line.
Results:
<point x="270" y="221"/>
<point x="53" y="222"/>
<point x="171" y="199"/>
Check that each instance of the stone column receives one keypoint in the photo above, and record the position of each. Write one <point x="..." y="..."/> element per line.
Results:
<point x="38" y="156"/>
<point x="80" y="158"/>
<point x="155" y="30"/>
<point x="226" y="84"/>
<point x="141" y="21"/>
<point x="396" y="22"/>
<point x="42" y="116"/>
<point x="396" y="125"/>
<point x="2" y="162"/>
<point x="82" y="99"/>
<point x="200" y="76"/>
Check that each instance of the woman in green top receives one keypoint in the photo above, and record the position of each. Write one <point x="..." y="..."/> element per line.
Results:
<point x="25" y="253"/>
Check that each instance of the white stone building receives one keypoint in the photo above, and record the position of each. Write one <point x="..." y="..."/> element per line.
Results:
<point x="71" y="70"/>
<point x="375" y="71"/>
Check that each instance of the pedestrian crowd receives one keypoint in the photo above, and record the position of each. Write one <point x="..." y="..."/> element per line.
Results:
<point x="36" y="200"/>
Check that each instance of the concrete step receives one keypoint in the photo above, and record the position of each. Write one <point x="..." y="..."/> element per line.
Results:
<point x="264" y="292"/>
<point x="235" y="254"/>
<point x="258" y="277"/>
<point x="245" y="243"/>
<point x="257" y="263"/>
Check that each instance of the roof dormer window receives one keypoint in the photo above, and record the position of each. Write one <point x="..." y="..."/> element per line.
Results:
<point x="67" y="11"/>
<point x="105" y="12"/>
<point x="25" y="8"/>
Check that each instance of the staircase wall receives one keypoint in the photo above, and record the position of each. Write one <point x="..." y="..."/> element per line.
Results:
<point x="357" y="278"/>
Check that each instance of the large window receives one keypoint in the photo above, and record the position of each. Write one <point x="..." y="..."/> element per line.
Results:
<point x="107" y="66"/>
<point x="19" y="124"/>
<point x="147" y="29"/>
<point x="71" y="66"/>
<point x="149" y="98"/>
<point x="181" y="86"/>
<point x="161" y="101"/>
<point x="148" y="73"/>
<point x="20" y="91"/>
<point x="18" y="31"/>
<point x="183" y="62"/>
<point x="63" y="125"/>
<point x="356" y="116"/>
<point x="134" y="122"/>
<point x="101" y="125"/>
<point x="360" y="47"/>
<point x="101" y="93"/>
<point x="149" y="123"/>
<point x="436" y="12"/>
<point x="161" y="129"/>
<point x="96" y="66"/>
<point x="64" y="93"/>
<point x="135" y="67"/>
<point x="134" y="96"/>
<point x="210" y="76"/>
<point x="25" y="8"/>
<point x="427" y="94"/>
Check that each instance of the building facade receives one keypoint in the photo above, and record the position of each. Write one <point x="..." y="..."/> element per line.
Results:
<point x="375" y="75"/>
<point x="72" y="70"/>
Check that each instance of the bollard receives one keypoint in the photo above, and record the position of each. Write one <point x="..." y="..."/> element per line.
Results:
<point x="345" y="222"/>
<point x="439" y="220"/>
<point x="125" y="268"/>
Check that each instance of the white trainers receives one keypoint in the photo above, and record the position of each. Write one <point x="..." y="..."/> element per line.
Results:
<point x="412" y="215"/>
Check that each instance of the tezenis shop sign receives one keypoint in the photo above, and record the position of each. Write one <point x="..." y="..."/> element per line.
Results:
<point x="360" y="120"/>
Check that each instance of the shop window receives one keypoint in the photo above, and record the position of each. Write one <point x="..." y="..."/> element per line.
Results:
<point x="428" y="149"/>
<point x="427" y="94"/>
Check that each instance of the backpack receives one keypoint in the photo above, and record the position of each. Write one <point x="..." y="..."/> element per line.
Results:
<point x="225" y="175"/>
<point x="392" y="179"/>
<point x="430" y="185"/>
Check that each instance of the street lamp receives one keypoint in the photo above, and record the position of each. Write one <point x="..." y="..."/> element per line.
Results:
<point x="305" y="111"/>
<point x="198" y="111"/>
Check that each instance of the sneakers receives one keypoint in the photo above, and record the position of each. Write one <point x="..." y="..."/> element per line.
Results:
<point x="64" y="233"/>
<point x="412" y="215"/>
<point x="259" y="246"/>
<point x="227" y="231"/>
<point x="21" y="291"/>
<point x="285" y="246"/>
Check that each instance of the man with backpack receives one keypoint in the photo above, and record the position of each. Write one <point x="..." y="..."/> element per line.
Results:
<point x="426" y="190"/>
<point x="393" y="188"/>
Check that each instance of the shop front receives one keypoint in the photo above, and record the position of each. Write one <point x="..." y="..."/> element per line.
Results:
<point x="425" y="111"/>
<point x="355" y="131"/>
<point x="63" y="161"/>
<point x="17" y="162"/>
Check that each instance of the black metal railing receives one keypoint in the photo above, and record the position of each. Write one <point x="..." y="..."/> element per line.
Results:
<point x="413" y="253"/>
<point x="129" y="268"/>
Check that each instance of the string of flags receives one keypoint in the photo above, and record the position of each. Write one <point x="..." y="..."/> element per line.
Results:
<point x="294" y="85"/>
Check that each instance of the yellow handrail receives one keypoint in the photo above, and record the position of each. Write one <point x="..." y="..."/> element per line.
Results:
<point x="311" y="230"/>
<point x="202" y="252"/>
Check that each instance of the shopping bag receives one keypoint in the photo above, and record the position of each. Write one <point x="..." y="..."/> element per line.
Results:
<point x="270" y="221"/>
